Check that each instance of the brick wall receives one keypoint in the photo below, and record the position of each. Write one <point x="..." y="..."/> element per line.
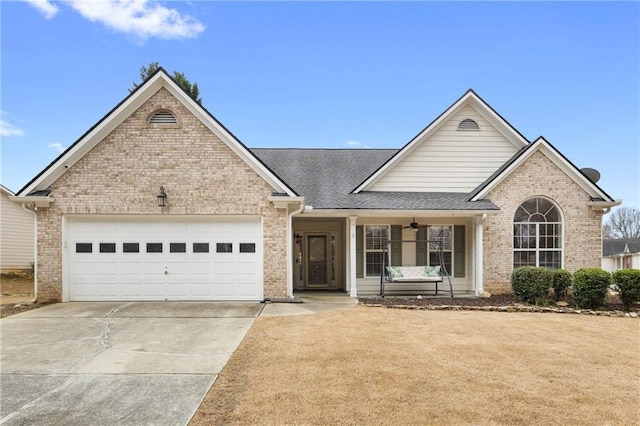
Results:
<point x="123" y="173"/>
<point x="538" y="176"/>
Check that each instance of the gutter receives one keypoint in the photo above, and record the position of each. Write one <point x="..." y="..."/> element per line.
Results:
<point x="299" y="210"/>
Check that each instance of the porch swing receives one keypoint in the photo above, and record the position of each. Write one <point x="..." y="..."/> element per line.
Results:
<point x="397" y="274"/>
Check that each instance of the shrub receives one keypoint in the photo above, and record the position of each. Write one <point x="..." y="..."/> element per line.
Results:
<point x="590" y="287"/>
<point x="561" y="283"/>
<point x="530" y="283"/>
<point x="627" y="282"/>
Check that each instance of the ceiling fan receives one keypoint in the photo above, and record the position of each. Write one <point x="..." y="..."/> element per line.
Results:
<point x="415" y="226"/>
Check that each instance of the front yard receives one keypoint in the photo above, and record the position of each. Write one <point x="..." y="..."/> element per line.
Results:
<point x="385" y="366"/>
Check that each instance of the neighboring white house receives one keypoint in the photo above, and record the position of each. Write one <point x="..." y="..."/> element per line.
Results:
<point x="620" y="254"/>
<point x="17" y="234"/>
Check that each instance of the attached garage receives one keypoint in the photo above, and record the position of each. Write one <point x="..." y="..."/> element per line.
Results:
<point x="152" y="258"/>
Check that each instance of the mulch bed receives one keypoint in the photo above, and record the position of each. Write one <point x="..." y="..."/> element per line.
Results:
<point x="612" y="303"/>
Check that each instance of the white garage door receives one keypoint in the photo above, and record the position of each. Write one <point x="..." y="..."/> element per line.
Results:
<point x="132" y="260"/>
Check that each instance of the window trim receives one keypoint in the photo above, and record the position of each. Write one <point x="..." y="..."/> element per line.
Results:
<point x="450" y="250"/>
<point x="365" y="251"/>
<point x="538" y="249"/>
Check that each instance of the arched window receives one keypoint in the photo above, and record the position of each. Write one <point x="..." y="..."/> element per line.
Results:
<point x="537" y="234"/>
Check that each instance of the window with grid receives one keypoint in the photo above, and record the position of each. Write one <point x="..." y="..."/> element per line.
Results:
<point x="537" y="234"/>
<point x="376" y="236"/>
<point x="440" y="235"/>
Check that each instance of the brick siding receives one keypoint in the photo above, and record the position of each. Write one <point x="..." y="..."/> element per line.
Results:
<point x="539" y="176"/>
<point x="122" y="175"/>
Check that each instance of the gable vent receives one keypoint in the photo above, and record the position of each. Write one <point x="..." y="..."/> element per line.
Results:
<point x="468" y="124"/>
<point x="163" y="116"/>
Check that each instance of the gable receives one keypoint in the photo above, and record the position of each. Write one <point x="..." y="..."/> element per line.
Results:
<point x="450" y="160"/>
<point x="599" y="198"/>
<point x="441" y="147"/>
<point x="160" y="80"/>
<point x="198" y="171"/>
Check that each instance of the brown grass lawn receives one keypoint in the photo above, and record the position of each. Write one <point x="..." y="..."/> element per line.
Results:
<point x="385" y="366"/>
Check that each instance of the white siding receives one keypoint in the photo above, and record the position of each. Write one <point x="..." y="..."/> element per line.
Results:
<point x="450" y="160"/>
<point x="16" y="235"/>
<point x="370" y="286"/>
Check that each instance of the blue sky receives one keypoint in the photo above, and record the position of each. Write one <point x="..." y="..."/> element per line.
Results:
<point x="331" y="74"/>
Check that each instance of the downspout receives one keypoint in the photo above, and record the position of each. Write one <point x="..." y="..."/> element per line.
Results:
<point x="480" y="255"/>
<point x="34" y="210"/>
<point x="299" y="210"/>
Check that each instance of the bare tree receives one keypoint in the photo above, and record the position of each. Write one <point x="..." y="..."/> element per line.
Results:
<point x="623" y="223"/>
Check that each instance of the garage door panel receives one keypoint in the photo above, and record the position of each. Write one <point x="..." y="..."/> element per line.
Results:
<point x="115" y="259"/>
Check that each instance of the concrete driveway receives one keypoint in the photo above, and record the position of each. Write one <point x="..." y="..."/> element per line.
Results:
<point x="116" y="363"/>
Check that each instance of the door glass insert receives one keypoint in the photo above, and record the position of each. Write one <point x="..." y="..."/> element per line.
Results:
<point x="154" y="247"/>
<point x="317" y="262"/>
<point x="177" y="247"/>
<point x="130" y="247"/>
<point x="107" y="247"/>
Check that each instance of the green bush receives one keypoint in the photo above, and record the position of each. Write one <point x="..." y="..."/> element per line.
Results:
<point x="627" y="282"/>
<point x="531" y="284"/>
<point x="590" y="287"/>
<point x="561" y="283"/>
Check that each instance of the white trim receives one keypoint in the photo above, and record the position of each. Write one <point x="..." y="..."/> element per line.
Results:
<point x="290" y="243"/>
<point x="128" y="107"/>
<point x="38" y="201"/>
<point x="351" y="258"/>
<point x="552" y="154"/>
<point x="469" y="98"/>
<point x="397" y="213"/>
<point x="479" y="282"/>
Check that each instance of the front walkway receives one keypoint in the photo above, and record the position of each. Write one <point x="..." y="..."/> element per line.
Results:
<point x="312" y="302"/>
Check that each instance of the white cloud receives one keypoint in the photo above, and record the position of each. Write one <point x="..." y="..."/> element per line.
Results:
<point x="356" y="144"/>
<point x="141" y="18"/>
<point x="56" y="147"/>
<point x="45" y="7"/>
<point x="7" y="129"/>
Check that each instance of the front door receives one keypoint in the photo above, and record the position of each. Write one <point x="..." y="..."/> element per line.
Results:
<point x="316" y="257"/>
<point x="317" y="265"/>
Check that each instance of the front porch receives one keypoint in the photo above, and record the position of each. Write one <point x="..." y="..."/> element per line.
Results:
<point x="345" y="254"/>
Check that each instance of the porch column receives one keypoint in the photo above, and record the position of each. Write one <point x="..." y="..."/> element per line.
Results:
<point x="351" y="257"/>
<point x="479" y="267"/>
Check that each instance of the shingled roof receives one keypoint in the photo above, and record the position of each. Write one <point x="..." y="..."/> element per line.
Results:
<point x="612" y="247"/>
<point x="327" y="177"/>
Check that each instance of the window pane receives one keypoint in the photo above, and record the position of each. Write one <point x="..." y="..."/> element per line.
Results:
<point x="247" y="248"/>
<point x="107" y="247"/>
<point x="550" y="259"/>
<point x="201" y="247"/>
<point x="154" y="247"/>
<point x="177" y="247"/>
<point x="376" y="236"/>
<point x="224" y="248"/>
<point x="84" y="247"/>
<point x="374" y="263"/>
<point x="434" y="259"/>
<point x="441" y="234"/>
<point x="130" y="247"/>
<point x="524" y="258"/>
<point x="521" y="215"/>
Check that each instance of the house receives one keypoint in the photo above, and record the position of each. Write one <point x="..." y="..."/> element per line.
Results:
<point x="159" y="201"/>
<point x="17" y="234"/>
<point x="620" y="253"/>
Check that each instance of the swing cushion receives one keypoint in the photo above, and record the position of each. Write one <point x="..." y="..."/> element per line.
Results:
<point x="432" y="271"/>
<point x="414" y="273"/>
<point x="394" y="272"/>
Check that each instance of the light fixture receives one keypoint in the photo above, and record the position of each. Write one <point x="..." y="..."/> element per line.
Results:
<point x="162" y="197"/>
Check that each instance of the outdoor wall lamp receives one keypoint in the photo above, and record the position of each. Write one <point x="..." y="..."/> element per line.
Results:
<point x="162" y="197"/>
